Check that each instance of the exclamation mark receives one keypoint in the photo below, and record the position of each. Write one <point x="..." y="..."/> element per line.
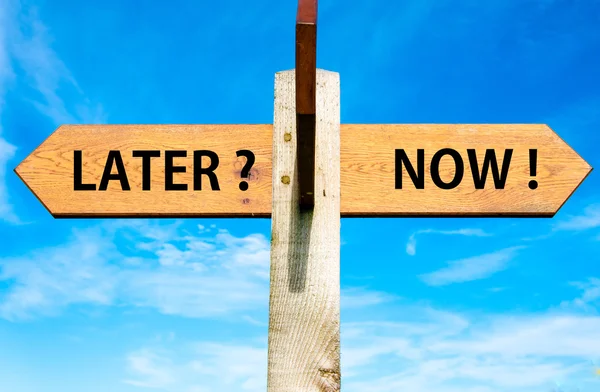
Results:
<point x="533" y="168"/>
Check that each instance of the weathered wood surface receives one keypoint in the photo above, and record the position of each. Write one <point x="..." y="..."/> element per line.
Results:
<point x="367" y="170"/>
<point x="48" y="171"/>
<point x="304" y="345"/>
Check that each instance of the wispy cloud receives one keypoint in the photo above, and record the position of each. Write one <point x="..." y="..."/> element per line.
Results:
<point x="7" y="150"/>
<point x="27" y="57"/>
<point x="45" y="72"/>
<point x="359" y="297"/>
<point x="411" y="245"/>
<point x="590" y="219"/>
<point x="199" y="367"/>
<point x="193" y="274"/>
<point x="416" y="349"/>
<point x="589" y="298"/>
<point x="49" y="279"/>
<point x="152" y="368"/>
<point x="243" y="364"/>
<point x="490" y="353"/>
<point x="472" y="268"/>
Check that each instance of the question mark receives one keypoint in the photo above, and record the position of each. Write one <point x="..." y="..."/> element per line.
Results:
<point x="246" y="169"/>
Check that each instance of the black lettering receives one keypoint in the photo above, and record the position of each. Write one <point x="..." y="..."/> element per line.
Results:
<point x="489" y="159"/>
<point x="170" y="169"/>
<point x="114" y="158"/>
<point x="146" y="155"/>
<point x="78" y="184"/>
<point x="209" y="171"/>
<point x="435" y="169"/>
<point x="417" y="179"/>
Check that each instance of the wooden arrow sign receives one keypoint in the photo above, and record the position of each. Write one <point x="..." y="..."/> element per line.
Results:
<point x="225" y="170"/>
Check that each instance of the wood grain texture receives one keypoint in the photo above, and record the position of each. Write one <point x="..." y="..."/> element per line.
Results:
<point x="367" y="167"/>
<point x="367" y="170"/>
<point x="304" y="313"/>
<point x="48" y="171"/>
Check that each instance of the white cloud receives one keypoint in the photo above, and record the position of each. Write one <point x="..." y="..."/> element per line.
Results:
<point x="589" y="297"/>
<point x="47" y="74"/>
<point x="199" y="367"/>
<point x="7" y="150"/>
<point x="245" y="365"/>
<point x="411" y="245"/>
<point x="50" y="279"/>
<point x="550" y="335"/>
<point x="590" y="219"/>
<point x="357" y="297"/>
<point x="155" y="369"/>
<point x="492" y="353"/>
<point x="472" y="268"/>
<point x="25" y="44"/>
<point x="189" y="274"/>
<point x="415" y="349"/>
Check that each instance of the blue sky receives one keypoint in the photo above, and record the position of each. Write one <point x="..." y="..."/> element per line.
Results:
<point x="470" y="305"/>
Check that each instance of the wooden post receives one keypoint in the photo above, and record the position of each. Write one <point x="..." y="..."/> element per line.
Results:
<point x="304" y="308"/>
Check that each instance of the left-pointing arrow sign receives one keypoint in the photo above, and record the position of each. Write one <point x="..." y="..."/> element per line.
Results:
<point x="152" y="171"/>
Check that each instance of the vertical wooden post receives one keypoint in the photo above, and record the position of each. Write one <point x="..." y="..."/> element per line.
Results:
<point x="304" y="308"/>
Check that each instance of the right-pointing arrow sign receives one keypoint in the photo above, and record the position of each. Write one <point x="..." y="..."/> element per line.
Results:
<point x="456" y="170"/>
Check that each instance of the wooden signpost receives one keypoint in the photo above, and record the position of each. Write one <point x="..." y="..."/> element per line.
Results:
<point x="304" y="172"/>
<point x="227" y="170"/>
